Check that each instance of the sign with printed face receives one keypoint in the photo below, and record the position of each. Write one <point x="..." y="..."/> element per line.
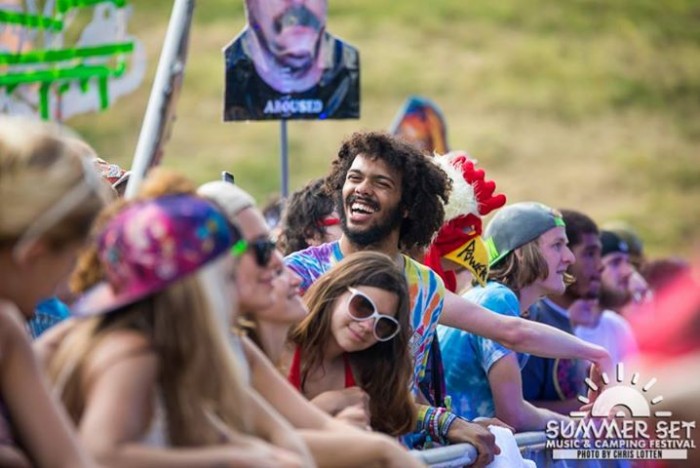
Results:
<point x="285" y="65"/>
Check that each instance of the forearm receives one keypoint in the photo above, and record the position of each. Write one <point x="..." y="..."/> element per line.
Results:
<point x="142" y="456"/>
<point x="281" y="395"/>
<point x="436" y="422"/>
<point x="558" y="406"/>
<point x="527" y="417"/>
<point x="12" y="457"/>
<point x="40" y="422"/>
<point x="518" y="334"/>
<point x="357" y="448"/>
<point x="543" y="340"/>
<point x="270" y="426"/>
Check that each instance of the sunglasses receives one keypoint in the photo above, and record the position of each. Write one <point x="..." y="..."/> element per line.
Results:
<point x="263" y="249"/>
<point x="361" y="308"/>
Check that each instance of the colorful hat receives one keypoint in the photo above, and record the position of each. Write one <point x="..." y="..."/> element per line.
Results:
<point x="459" y="238"/>
<point x="516" y="225"/>
<point x="153" y="243"/>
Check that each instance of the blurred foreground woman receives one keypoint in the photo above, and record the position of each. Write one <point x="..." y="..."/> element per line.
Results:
<point x="149" y="376"/>
<point x="49" y="197"/>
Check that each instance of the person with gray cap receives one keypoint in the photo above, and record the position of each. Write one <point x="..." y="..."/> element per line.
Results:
<point x="528" y="259"/>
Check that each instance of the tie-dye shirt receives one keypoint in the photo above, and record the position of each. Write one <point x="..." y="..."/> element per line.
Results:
<point x="467" y="358"/>
<point x="425" y="287"/>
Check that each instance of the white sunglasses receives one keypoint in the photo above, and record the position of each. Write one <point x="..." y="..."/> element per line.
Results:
<point x="361" y="308"/>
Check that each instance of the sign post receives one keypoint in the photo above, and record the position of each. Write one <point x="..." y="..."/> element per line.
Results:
<point x="284" y="65"/>
<point x="161" y="103"/>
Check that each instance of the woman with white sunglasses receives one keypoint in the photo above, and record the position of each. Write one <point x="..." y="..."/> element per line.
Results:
<point x="357" y="334"/>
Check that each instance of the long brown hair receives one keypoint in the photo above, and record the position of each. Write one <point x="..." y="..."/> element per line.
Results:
<point x="198" y="376"/>
<point x="385" y="369"/>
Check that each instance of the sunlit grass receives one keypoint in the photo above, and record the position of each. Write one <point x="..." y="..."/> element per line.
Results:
<point x="586" y="104"/>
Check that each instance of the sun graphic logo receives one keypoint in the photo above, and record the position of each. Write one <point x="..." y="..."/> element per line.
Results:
<point x="622" y="423"/>
<point x="621" y="397"/>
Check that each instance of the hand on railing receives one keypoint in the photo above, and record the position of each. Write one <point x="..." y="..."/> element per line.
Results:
<point x="480" y="437"/>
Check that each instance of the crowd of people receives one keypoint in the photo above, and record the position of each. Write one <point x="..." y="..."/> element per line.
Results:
<point x="377" y="311"/>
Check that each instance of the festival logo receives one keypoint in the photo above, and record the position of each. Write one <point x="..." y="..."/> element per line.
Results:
<point x="625" y="422"/>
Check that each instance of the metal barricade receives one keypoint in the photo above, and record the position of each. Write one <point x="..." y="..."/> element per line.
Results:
<point x="452" y="456"/>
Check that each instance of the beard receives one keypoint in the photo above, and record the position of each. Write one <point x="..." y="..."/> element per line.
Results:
<point x="376" y="232"/>
<point x="613" y="298"/>
<point x="576" y="291"/>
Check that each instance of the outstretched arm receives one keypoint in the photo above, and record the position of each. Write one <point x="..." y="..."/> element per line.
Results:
<point x="519" y="334"/>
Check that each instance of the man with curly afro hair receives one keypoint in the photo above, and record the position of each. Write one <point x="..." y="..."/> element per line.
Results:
<point x="390" y="198"/>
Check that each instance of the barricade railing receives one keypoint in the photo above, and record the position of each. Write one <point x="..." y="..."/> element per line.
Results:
<point x="457" y="455"/>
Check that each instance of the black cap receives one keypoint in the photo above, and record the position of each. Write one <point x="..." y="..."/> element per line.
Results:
<point x="612" y="243"/>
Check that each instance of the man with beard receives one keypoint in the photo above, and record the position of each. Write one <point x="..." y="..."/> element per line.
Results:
<point x="608" y="328"/>
<point x="555" y="383"/>
<point x="285" y="65"/>
<point x="390" y="198"/>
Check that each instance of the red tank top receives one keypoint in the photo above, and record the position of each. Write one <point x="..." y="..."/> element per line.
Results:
<point x="294" y="376"/>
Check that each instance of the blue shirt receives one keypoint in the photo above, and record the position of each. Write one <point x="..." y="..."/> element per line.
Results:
<point x="467" y="357"/>
<point x="47" y="314"/>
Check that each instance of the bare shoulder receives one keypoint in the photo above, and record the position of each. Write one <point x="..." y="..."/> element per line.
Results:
<point x="13" y="334"/>
<point x="120" y="346"/>
<point x="11" y="320"/>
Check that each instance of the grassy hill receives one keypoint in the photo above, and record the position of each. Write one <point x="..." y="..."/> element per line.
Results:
<point x="587" y="104"/>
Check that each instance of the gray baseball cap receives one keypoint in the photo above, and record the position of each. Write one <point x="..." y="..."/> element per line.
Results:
<point x="515" y="225"/>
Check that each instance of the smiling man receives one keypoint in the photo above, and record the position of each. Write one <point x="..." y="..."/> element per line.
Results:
<point x="528" y="259"/>
<point x="555" y="383"/>
<point x="390" y="198"/>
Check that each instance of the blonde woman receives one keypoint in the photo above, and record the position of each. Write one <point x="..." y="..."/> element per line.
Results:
<point x="148" y="376"/>
<point x="48" y="199"/>
<point x="260" y="288"/>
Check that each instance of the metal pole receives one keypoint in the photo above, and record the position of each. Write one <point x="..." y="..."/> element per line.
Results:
<point x="284" y="161"/>
<point x="180" y="19"/>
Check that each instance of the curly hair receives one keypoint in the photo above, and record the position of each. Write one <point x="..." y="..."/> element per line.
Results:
<point x="303" y="215"/>
<point x="424" y="186"/>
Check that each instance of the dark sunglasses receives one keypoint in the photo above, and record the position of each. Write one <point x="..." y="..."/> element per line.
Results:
<point x="361" y="308"/>
<point x="263" y="249"/>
